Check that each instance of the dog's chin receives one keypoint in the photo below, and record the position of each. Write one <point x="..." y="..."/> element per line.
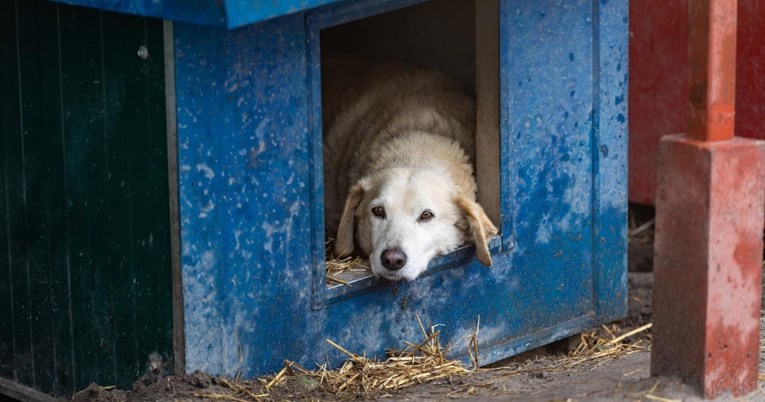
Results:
<point x="405" y="274"/>
<point x="392" y="277"/>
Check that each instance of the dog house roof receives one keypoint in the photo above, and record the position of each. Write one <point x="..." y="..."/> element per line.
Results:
<point x="227" y="13"/>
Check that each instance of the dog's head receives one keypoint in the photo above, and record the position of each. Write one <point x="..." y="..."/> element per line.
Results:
<point x="401" y="218"/>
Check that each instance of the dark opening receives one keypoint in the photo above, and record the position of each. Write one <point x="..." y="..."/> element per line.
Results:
<point x="439" y="34"/>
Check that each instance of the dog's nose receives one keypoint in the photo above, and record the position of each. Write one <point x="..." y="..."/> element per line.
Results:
<point x="393" y="259"/>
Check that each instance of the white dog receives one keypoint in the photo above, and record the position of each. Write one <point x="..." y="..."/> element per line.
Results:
<point x="397" y="149"/>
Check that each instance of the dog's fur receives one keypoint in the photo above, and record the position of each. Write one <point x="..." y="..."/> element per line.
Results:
<point x="401" y="138"/>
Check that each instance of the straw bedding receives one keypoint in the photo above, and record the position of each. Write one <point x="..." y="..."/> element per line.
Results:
<point x="418" y="363"/>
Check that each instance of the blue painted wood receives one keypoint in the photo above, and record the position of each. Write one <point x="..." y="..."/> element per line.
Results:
<point x="609" y="158"/>
<point x="252" y="221"/>
<point x="228" y="13"/>
<point x="243" y="12"/>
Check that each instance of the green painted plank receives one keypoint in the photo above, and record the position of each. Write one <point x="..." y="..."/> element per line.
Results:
<point x="93" y="234"/>
<point x="158" y="317"/>
<point x="101" y="226"/>
<point x="23" y="360"/>
<point x="82" y="90"/>
<point x="35" y="138"/>
<point x="52" y="121"/>
<point x="123" y="38"/>
<point x="139" y="327"/>
<point x="142" y="188"/>
<point x="7" y="38"/>
<point x="152" y="241"/>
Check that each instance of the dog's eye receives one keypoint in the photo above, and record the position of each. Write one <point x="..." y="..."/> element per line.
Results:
<point x="426" y="215"/>
<point x="378" y="212"/>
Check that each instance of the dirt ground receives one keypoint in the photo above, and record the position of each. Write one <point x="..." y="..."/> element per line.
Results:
<point x="536" y="376"/>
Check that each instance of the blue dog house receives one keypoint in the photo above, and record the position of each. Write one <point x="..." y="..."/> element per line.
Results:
<point x="243" y="94"/>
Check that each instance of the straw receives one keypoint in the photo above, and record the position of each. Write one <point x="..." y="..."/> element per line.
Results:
<point x="421" y="362"/>
<point x="342" y="266"/>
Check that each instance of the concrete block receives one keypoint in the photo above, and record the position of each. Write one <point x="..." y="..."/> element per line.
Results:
<point x="708" y="263"/>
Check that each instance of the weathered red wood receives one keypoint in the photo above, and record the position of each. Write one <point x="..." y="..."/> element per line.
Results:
<point x="750" y="69"/>
<point x="712" y="69"/>
<point x="658" y="94"/>
<point x="658" y="86"/>
<point x="707" y="266"/>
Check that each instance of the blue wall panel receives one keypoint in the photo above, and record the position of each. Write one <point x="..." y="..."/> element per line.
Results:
<point x="228" y="13"/>
<point x="244" y="191"/>
<point x="610" y="159"/>
<point x="251" y="232"/>
<point x="546" y="67"/>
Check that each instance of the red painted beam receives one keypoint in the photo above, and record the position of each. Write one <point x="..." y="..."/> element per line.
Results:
<point x="712" y="69"/>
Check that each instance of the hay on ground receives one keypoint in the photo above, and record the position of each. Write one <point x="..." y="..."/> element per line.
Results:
<point x="417" y="363"/>
<point x="594" y="347"/>
<point x="343" y="270"/>
<point x="422" y="362"/>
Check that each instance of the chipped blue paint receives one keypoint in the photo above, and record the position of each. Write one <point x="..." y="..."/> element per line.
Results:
<point x="610" y="135"/>
<point x="228" y="13"/>
<point x="250" y="196"/>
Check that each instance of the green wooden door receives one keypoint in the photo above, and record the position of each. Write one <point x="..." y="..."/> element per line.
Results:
<point x="85" y="277"/>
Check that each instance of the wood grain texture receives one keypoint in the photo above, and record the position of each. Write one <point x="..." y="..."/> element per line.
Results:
<point x="85" y="257"/>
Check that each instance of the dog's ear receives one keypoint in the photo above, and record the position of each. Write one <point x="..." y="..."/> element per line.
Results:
<point x="344" y="241"/>
<point x="480" y="226"/>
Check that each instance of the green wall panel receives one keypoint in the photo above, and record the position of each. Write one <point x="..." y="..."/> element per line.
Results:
<point x="85" y="278"/>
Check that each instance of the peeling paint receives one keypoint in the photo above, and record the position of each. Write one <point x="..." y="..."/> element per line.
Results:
<point x="209" y="173"/>
<point x="253" y="288"/>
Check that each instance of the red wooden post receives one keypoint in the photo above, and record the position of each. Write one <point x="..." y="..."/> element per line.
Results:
<point x="712" y="69"/>
<point x="709" y="220"/>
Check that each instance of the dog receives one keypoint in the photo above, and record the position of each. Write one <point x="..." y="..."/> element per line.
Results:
<point x="399" y="183"/>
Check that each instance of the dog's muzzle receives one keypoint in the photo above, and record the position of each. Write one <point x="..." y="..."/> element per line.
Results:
<point x="393" y="259"/>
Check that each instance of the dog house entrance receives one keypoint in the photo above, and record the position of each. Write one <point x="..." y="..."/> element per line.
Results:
<point x="457" y="37"/>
